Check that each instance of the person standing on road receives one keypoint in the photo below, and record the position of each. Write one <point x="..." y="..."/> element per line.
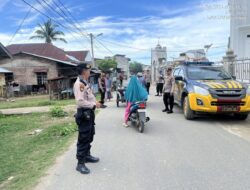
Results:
<point x="85" y="118"/>
<point x="121" y="78"/>
<point x="159" y="87"/>
<point x="108" y="87"/>
<point x="102" y="89"/>
<point x="148" y="80"/>
<point x="168" y="89"/>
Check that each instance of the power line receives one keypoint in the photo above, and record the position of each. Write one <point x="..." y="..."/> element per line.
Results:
<point x="69" y="13"/>
<point x="105" y="47"/>
<point x="68" y="19"/>
<point x="65" y="16"/>
<point x="128" y="46"/>
<point x="125" y="45"/>
<point x="20" y="26"/>
<point x="46" y="4"/>
<point x="131" y="47"/>
<point x="45" y="15"/>
<point x="54" y="10"/>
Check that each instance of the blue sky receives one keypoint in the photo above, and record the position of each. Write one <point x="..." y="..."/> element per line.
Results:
<point x="129" y="27"/>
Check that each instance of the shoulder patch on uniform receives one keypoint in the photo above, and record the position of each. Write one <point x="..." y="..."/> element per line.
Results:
<point x="82" y="86"/>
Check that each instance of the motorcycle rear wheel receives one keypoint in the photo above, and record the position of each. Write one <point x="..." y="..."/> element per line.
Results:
<point x="141" y="126"/>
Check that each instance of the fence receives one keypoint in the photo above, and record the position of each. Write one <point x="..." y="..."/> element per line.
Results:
<point x="240" y="69"/>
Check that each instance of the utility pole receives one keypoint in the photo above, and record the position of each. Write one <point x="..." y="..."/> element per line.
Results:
<point x="92" y="37"/>
<point x="92" y="49"/>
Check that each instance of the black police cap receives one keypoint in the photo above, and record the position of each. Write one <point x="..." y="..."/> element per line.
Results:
<point x="82" y="66"/>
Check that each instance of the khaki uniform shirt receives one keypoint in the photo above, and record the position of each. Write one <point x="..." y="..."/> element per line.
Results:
<point x="83" y="95"/>
<point x="169" y="84"/>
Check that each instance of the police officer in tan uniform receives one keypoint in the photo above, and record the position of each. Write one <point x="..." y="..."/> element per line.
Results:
<point x="168" y="89"/>
<point x="85" y="117"/>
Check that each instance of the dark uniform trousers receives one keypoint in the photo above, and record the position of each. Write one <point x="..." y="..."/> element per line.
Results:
<point x="168" y="100"/>
<point x="85" y="119"/>
<point x="102" y="95"/>
<point x="159" y="88"/>
<point x="148" y="86"/>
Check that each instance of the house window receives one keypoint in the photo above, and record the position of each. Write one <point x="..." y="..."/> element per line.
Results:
<point x="41" y="78"/>
<point x="9" y="77"/>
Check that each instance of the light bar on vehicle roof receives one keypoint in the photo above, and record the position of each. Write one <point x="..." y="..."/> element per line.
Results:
<point x="198" y="63"/>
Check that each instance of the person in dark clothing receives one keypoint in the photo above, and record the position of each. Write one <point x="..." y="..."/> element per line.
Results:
<point x="121" y="78"/>
<point x="148" y="80"/>
<point x="85" y="118"/>
<point x="168" y="89"/>
<point x="168" y="100"/>
<point x="159" y="86"/>
<point x="102" y="89"/>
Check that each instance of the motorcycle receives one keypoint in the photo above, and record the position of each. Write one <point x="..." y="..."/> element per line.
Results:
<point x="120" y="95"/>
<point x="138" y="115"/>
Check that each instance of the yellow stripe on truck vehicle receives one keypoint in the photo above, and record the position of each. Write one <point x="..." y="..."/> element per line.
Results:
<point x="208" y="88"/>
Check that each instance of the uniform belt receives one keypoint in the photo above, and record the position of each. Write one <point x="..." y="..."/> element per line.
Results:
<point x="85" y="109"/>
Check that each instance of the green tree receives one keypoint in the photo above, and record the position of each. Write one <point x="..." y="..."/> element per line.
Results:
<point x="106" y="64"/>
<point x="48" y="32"/>
<point x="135" y="67"/>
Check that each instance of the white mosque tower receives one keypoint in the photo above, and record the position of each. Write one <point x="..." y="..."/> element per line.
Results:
<point x="158" y="59"/>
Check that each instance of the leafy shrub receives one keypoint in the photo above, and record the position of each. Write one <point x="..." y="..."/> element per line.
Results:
<point x="68" y="130"/>
<point x="2" y="115"/>
<point x="57" y="111"/>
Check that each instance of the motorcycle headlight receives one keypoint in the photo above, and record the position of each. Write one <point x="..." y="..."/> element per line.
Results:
<point x="201" y="91"/>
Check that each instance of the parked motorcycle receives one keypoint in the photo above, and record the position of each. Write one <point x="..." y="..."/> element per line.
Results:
<point x="138" y="115"/>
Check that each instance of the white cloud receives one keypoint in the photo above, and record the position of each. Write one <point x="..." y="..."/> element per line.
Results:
<point x="191" y="30"/>
<point x="3" y="3"/>
<point x="180" y="33"/>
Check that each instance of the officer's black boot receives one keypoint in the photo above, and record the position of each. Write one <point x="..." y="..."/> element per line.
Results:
<point x="91" y="159"/>
<point x="82" y="168"/>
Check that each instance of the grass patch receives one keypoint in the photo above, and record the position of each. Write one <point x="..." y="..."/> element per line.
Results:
<point x="26" y="157"/>
<point x="36" y="101"/>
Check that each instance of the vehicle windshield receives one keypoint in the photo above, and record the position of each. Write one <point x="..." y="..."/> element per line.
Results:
<point x="208" y="73"/>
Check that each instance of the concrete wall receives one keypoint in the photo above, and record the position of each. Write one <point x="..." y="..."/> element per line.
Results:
<point x="2" y="79"/>
<point x="240" y="27"/>
<point x="24" y="66"/>
<point x="123" y="63"/>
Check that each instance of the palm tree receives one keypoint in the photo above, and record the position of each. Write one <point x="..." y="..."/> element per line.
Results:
<point x="48" y="32"/>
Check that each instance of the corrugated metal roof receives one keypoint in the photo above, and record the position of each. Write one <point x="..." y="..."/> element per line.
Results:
<point x="80" y="55"/>
<point x="47" y="50"/>
<point x="2" y="70"/>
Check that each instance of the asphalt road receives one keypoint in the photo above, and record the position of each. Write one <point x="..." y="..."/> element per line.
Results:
<point x="172" y="154"/>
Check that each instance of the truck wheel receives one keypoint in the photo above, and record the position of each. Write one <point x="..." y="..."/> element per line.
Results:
<point x="241" y="116"/>
<point x="188" y="113"/>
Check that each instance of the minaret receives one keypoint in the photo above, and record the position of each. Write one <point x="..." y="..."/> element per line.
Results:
<point x="229" y="59"/>
<point x="158" y="58"/>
